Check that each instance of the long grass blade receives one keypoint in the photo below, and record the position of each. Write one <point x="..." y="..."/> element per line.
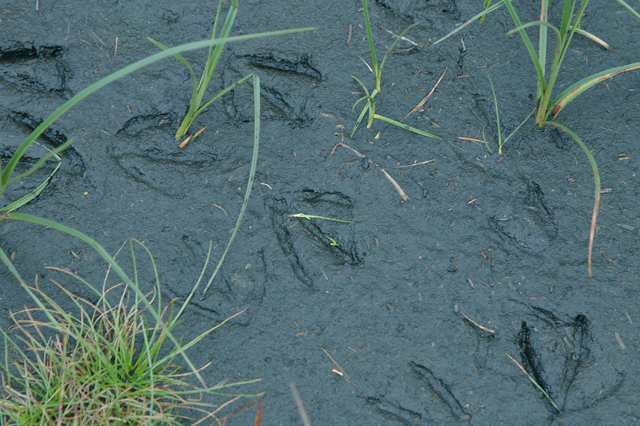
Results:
<point x="542" y="43"/>
<point x="586" y="83"/>
<point x="222" y="93"/>
<point x="372" y="48"/>
<point x="528" y="44"/>
<point x="384" y="59"/>
<point x="8" y="170"/>
<point x="495" y="103"/>
<point x="594" y="38"/>
<point x="475" y="18"/>
<point x="252" y="173"/>
<point x="630" y="9"/>
<point x="33" y="194"/>
<point x="180" y="58"/>
<point x="596" y="178"/>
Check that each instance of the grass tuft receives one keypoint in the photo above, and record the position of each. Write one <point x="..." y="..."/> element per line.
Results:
<point x="103" y="364"/>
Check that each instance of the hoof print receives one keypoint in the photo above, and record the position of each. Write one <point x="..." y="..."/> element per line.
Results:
<point x="531" y="225"/>
<point x="310" y="243"/>
<point x="146" y="151"/>
<point x="284" y="88"/>
<point x="39" y="68"/>
<point x="74" y="163"/>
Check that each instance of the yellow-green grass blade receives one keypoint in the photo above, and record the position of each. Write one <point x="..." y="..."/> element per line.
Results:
<point x="406" y="127"/>
<point x="33" y="194"/>
<point x="593" y="38"/>
<point x="475" y="18"/>
<point x="596" y="178"/>
<point x="487" y="3"/>
<point x="586" y="83"/>
<point x="8" y="170"/>
<point x="252" y="173"/>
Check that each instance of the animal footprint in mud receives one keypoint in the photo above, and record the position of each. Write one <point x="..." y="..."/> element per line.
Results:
<point x="528" y="223"/>
<point x="145" y="150"/>
<point x="308" y="244"/>
<point x="39" y="68"/>
<point x="557" y="355"/>
<point x="285" y="82"/>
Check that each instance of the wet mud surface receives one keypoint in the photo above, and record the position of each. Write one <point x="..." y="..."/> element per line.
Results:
<point x="419" y="300"/>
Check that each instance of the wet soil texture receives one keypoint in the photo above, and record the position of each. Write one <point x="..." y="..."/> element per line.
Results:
<point x="407" y="315"/>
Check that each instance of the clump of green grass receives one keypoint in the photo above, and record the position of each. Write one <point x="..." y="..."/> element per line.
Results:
<point x="104" y="364"/>
<point x="570" y="21"/>
<point x="369" y="97"/>
<point x="196" y="105"/>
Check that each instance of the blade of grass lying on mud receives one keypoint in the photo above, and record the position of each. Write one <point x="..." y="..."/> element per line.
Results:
<point x="596" y="178"/>
<point x="405" y="126"/>
<point x="252" y="173"/>
<point x="107" y="257"/>
<point x="475" y="18"/>
<point x="544" y="392"/>
<point x="8" y="170"/>
<point x="33" y="194"/>
<point x="311" y="216"/>
<point x="630" y="9"/>
<point x="586" y="83"/>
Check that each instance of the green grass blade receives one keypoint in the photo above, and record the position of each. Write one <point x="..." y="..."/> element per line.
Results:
<point x="528" y="44"/>
<point x="542" y="24"/>
<point x="495" y="102"/>
<point x="370" y="38"/>
<point x="542" y="42"/>
<point x="106" y="256"/>
<point x="8" y="170"/>
<point x="311" y="216"/>
<point x="544" y="392"/>
<point x="33" y="194"/>
<point x="596" y="178"/>
<point x="487" y="3"/>
<point x="367" y="108"/>
<point x="475" y="18"/>
<point x="406" y="127"/>
<point x="181" y="59"/>
<point x="570" y="29"/>
<point x="520" y="125"/>
<point x="384" y="59"/>
<point x="252" y="173"/>
<point x="222" y="93"/>
<point x="630" y="9"/>
<point x="586" y="83"/>
<point x="567" y="13"/>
